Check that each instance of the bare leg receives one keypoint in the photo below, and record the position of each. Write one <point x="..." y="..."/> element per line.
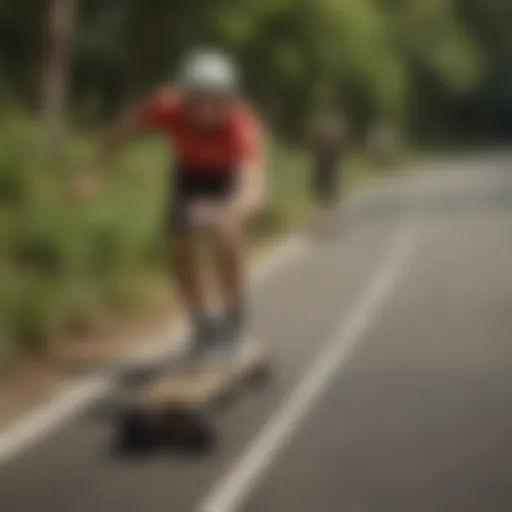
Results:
<point x="188" y="273"/>
<point x="229" y="247"/>
<point x="190" y="284"/>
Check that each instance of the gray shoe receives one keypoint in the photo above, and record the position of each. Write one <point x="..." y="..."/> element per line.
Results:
<point x="203" y="338"/>
<point x="229" y="337"/>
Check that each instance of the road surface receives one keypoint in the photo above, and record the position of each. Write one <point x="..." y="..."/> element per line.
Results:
<point x="392" y="334"/>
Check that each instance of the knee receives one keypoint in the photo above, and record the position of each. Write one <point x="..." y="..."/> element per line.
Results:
<point x="226" y="235"/>
<point x="182" y="247"/>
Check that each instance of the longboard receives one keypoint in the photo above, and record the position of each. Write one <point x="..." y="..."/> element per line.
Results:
<point x="178" y="403"/>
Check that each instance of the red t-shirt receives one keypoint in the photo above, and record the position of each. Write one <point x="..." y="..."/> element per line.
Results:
<point x="236" y="141"/>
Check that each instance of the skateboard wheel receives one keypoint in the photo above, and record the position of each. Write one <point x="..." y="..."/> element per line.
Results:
<point x="135" y="432"/>
<point x="195" y="436"/>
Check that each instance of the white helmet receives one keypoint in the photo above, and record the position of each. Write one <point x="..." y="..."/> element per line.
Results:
<point x="210" y="71"/>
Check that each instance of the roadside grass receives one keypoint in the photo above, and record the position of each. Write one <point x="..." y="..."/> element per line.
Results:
<point x="66" y="270"/>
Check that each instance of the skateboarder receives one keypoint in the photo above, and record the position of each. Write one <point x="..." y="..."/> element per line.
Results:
<point x="216" y="184"/>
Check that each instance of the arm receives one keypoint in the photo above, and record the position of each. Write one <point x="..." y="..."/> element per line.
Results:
<point x="156" y="112"/>
<point x="153" y="113"/>
<point x="251" y="176"/>
<point x="86" y="183"/>
<point x="124" y="128"/>
<point x="250" y="188"/>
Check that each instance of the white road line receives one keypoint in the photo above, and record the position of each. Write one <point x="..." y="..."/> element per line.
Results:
<point x="231" y="491"/>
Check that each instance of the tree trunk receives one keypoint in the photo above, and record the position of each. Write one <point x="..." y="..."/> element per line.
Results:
<point x="57" y="50"/>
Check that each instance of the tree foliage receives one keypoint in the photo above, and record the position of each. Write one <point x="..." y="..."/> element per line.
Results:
<point x="373" y="57"/>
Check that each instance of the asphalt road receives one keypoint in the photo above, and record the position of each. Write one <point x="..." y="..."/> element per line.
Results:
<point x="392" y="338"/>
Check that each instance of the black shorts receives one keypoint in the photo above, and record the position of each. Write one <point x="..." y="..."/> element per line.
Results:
<point x="190" y="185"/>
